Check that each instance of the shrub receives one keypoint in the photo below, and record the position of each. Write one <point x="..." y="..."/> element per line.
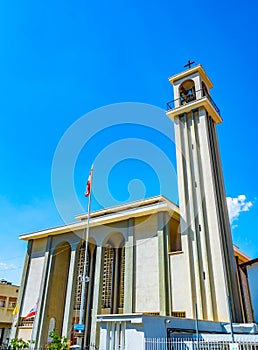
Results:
<point x="58" y="342"/>
<point x="19" y="343"/>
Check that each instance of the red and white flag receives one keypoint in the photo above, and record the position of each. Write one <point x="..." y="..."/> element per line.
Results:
<point x="32" y="312"/>
<point x="89" y="182"/>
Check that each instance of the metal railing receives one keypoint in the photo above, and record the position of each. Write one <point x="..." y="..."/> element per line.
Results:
<point x="190" y="344"/>
<point x="197" y="95"/>
<point x="26" y="323"/>
<point x="88" y="347"/>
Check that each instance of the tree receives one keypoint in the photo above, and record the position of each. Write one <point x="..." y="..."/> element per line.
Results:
<point x="58" y="342"/>
<point x="19" y="343"/>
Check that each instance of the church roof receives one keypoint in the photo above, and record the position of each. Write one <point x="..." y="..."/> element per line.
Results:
<point x="140" y="204"/>
<point x="199" y="68"/>
<point x="122" y="212"/>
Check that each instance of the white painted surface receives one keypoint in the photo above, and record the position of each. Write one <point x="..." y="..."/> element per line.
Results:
<point x="253" y="285"/>
<point x="180" y="284"/>
<point x="34" y="277"/>
<point x="146" y="270"/>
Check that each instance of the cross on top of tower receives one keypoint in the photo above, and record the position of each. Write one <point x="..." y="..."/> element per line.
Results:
<point x="189" y="63"/>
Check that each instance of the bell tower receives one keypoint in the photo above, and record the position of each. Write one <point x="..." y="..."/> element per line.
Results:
<point x="205" y="229"/>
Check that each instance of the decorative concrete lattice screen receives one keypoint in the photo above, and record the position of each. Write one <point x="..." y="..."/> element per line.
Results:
<point x="78" y="288"/>
<point x="122" y="274"/>
<point x="114" y="260"/>
<point x="107" y="277"/>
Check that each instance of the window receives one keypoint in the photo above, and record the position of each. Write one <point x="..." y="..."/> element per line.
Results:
<point x="2" y="301"/>
<point x="12" y="302"/>
<point x="175" y="244"/>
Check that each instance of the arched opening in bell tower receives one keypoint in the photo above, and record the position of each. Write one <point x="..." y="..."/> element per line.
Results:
<point x="204" y="89"/>
<point x="187" y="92"/>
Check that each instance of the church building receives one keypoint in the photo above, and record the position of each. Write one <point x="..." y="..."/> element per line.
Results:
<point x="146" y="259"/>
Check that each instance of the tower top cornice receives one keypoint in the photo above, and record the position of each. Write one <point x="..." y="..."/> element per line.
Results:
<point x="188" y="72"/>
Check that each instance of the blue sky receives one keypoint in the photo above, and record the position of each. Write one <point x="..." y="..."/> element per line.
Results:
<point x="60" y="60"/>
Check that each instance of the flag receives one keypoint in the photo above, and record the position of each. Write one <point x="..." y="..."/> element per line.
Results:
<point x="15" y="310"/>
<point x="32" y="312"/>
<point x="15" y="315"/>
<point x="88" y="185"/>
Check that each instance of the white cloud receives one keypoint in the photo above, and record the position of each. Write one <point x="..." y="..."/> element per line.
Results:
<point x="4" y="266"/>
<point x="236" y="206"/>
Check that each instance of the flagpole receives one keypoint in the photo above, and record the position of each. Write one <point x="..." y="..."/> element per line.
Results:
<point x="85" y="278"/>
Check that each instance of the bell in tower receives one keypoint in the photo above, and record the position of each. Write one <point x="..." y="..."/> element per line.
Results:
<point x="187" y="92"/>
<point x="204" y="223"/>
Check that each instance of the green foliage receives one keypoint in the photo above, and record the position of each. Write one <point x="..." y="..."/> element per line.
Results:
<point x="19" y="343"/>
<point x="58" y="342"/>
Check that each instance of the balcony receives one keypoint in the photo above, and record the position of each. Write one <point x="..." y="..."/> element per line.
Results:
<point x="196" y="96"/>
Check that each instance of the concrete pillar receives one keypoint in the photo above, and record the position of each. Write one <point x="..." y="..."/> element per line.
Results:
<point x="191" y="222"/>
<point x="200" y="217"/>
<point x="89" y="295"/>
<point x="25" y="273"/>
<point x="39" y="324"/>
<point x="68" y="309"/>
<point x="129" y="268"/>
<point x="168" y="286"/>
<point x="184" y="198"/>
<point x="228" y="252"/>
<point x="164" y="285"/>
<point x="94" y="338"/>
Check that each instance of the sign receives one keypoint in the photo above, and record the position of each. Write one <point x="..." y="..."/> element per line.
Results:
<point x="81" y="326"/>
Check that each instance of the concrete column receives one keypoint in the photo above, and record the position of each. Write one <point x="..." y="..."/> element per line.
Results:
<point x="129" y="267"/>
<point x="228" y="251"/>
<point x="41" y="327"/>
<point x="89" y="295"/>
<point x="25" y="273"/>
<point x="164" y="277"/>
<point x="161" y="258"/>
<point x="176" y="96"/>
<point x="108" y="336"/>
<point x="183" y="199"/>
<point x="216" y="252"/>
<point x="112" y="335"/>
<point x="200" y="200"/>
<point x="167" y="264"/>
<point x="123" y="327"/>
<point x="94" y="338"/>
<point x="68" y="309"/>
<point x="192" y="229"/>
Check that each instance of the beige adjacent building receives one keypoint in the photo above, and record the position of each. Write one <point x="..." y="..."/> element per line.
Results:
<point x="8" y="300"/>
<point x="143" y="258"/>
